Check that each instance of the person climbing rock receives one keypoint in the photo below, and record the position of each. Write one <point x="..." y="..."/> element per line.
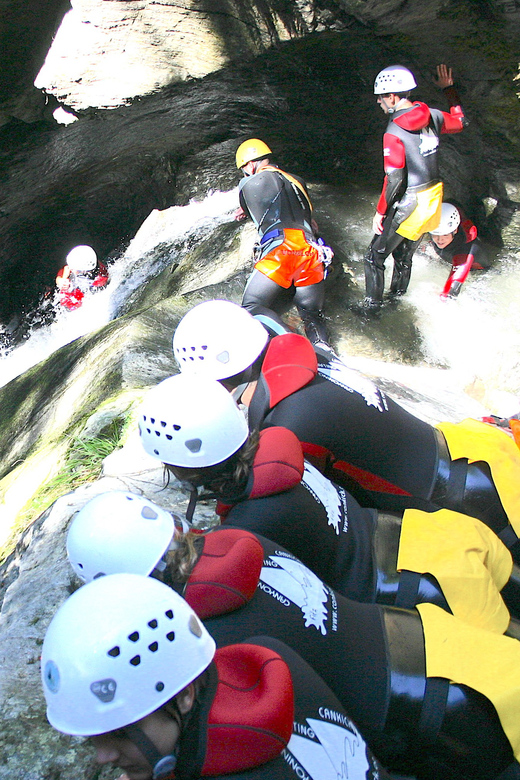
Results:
<point x="455" y="240"/>
<point x="290" y="255"/>
<point x="358" y="436"/>
<point x="82" y="272"/>
<point x="127" y="662"/>
<point x="411" y="198"/>
<point x="373" y="658"/>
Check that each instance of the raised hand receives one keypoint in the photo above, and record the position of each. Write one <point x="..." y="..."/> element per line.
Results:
<point x="444" y="77"/>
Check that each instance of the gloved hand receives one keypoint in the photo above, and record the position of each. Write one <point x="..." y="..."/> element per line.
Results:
<point x="452" y="292"/>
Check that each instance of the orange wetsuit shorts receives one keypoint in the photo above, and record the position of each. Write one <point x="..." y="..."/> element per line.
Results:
<point x="293" y="262"/>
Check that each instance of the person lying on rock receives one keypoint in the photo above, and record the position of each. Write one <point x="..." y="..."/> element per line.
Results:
<point x="352" y="431"/>
<point x="290" y="256"/>
<point x="127" y="662"/>
<point x="374" y="658"/>
<point x="82" y="272"/>
<point x="262" y="483"/>
<point x="455" y="240"/>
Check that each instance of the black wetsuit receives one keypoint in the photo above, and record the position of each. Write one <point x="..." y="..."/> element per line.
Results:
<point x="411" y="167"/>
<point x="362" y="440"/>
<point x="256" y="694"/>
<point x="372" y="657"/>
<point x="356" y="550"/>
<point x="279" y="202"/>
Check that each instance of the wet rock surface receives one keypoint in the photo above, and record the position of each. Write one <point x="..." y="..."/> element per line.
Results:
<point x="298" y="74"/>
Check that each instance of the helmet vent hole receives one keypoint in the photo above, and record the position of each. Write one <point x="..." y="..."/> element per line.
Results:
<point x="134" y="637"/>
<point x="156" y="452"/>
<point x="80" y="565"/>
<point x="163" y="424"/>
<point x="136" y="660"/>
<point x="157" y="433"/>
<point x="153" y="623"/>
<point x="148" y="513"/>
<point x="176" y="427"/>
<point x="153" y="647"/>
<point x="169" y="436"/>
<point x="204" y="346"/>
<point x="170" y="636"/>
<point x="114" y="652"/>
<point x="159" y="686"/>
<point x="169" y="614"/>
<point x="152" y="420"/>
<point x="148" y="430"/>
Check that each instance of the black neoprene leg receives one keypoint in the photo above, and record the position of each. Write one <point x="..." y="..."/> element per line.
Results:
<point x="309" y="301"/>
<point x="435" y="729"/>
<point x="400" y="588"/>
<point x="263" y="296"/>
<point x="403" y="256"/>
<point x="381" y="247"/>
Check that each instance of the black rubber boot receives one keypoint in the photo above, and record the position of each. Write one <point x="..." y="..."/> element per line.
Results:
<point x="316" y="331"/>
<point x="400" y="279"/>
<point x="374" y="286"/>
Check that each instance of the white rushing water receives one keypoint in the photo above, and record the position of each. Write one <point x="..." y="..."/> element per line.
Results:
<point x="447" y="348"/>
<point x="133" y="269"/>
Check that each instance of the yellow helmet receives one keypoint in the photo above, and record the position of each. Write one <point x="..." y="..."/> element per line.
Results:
<point x="252" y="149"/>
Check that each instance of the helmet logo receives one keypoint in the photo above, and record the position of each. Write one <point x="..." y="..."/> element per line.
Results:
<point x="223" y="357"/>
<point x="194" y="445"/>
<point x="52" y="677"/>
<point x="105" y="690"/>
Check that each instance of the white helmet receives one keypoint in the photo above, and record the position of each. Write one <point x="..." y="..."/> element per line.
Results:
<point x="118" y="649"/>
<point x="191" y="421"/>
<point x="82" y="258"/>
<point x="218" y="339"/>
<point x="450" y="220"/>
<point x="118" y="532"/>
<point x="394" y="80"/>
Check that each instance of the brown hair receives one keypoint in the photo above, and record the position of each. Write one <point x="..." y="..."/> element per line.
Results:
<point x="228" y="477"/>
<point x="181" y="561"/>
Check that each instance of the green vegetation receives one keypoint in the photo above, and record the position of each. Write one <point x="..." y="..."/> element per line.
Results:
<point x="82" y="464"/>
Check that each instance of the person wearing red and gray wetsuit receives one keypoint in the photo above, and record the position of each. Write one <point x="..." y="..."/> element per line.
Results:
<point x="456" y="241"/>
<point x="411" y="197"/>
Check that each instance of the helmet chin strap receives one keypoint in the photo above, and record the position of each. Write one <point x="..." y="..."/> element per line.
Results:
<point x="395" y="108"/>
<point x="163" y="766"/>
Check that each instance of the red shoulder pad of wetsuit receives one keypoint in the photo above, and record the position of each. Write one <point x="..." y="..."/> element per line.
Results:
<point x="278" y="466"/>
<point x="278" y="463"/>
<point x="251" y="719"/>
<point x="226" y="575"/>
<point x="290" y="363"/>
